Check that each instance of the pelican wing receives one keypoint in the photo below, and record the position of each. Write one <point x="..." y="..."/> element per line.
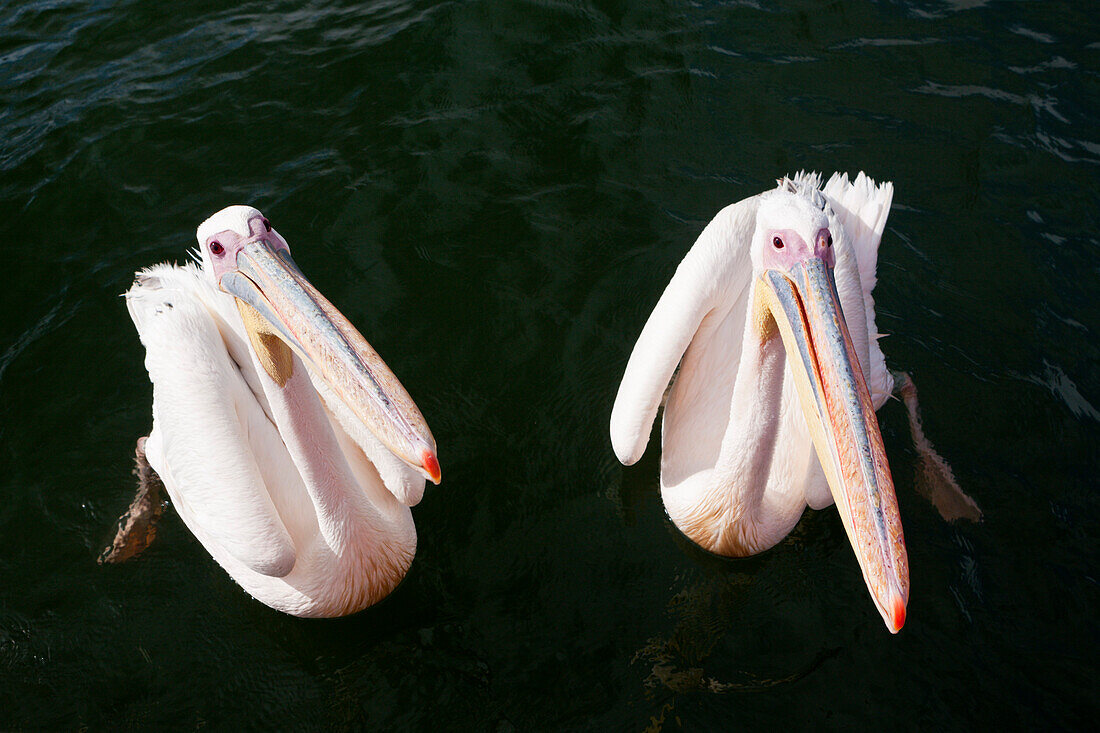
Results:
<point x="205" y="418"/>
<point x="710" y="268"/>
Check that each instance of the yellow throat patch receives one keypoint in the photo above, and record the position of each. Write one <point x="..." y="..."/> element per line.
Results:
<point x="275" y="356"/>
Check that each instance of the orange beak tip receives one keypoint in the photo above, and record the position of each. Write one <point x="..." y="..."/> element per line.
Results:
<point x="898" y="616"/>
<point x="431" y="465"/>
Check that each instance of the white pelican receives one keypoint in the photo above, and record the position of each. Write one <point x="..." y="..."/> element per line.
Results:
<point x="287" y="446"/>
<point x="772" y="310"/>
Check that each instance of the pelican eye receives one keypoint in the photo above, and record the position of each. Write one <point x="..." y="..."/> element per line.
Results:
<point x="267" y="224"/>
<point x="777" y="243"/>
<point x="216" y="249"/>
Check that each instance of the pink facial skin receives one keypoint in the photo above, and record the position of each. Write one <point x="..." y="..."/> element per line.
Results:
<point x="224" y="246"/>
<point x="785" y="248"/>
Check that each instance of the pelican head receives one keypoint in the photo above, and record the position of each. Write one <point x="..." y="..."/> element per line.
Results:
<point x="795" y="297"/>
<point x="283" y="314"/>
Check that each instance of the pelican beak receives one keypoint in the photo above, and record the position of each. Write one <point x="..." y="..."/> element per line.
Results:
<point x="267" y="283"/>
<point x="804" y="303"/>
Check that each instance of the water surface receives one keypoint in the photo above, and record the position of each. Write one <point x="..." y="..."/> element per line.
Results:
<point x="496" y="193"/>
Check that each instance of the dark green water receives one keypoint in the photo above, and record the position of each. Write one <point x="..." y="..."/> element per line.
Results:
<point x="496" y="193"/>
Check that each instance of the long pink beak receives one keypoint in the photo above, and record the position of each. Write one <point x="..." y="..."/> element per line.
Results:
<point x="837" y="405"/>
<point x="269" y="281"/>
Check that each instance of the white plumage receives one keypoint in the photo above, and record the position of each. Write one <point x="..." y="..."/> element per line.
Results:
<point x="738" y="459"/>
<point x="861" y="209"/>
<point x="286" y="488"/>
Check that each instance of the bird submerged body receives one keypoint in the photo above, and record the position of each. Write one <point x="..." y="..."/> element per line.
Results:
<point x="261" y="442"/>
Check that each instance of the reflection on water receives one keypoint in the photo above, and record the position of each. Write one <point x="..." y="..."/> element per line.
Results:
<point x="495" y="193"/>
<point x="701" y="612"/>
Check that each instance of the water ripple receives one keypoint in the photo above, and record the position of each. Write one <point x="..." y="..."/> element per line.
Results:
<point x="497" y="193"/>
